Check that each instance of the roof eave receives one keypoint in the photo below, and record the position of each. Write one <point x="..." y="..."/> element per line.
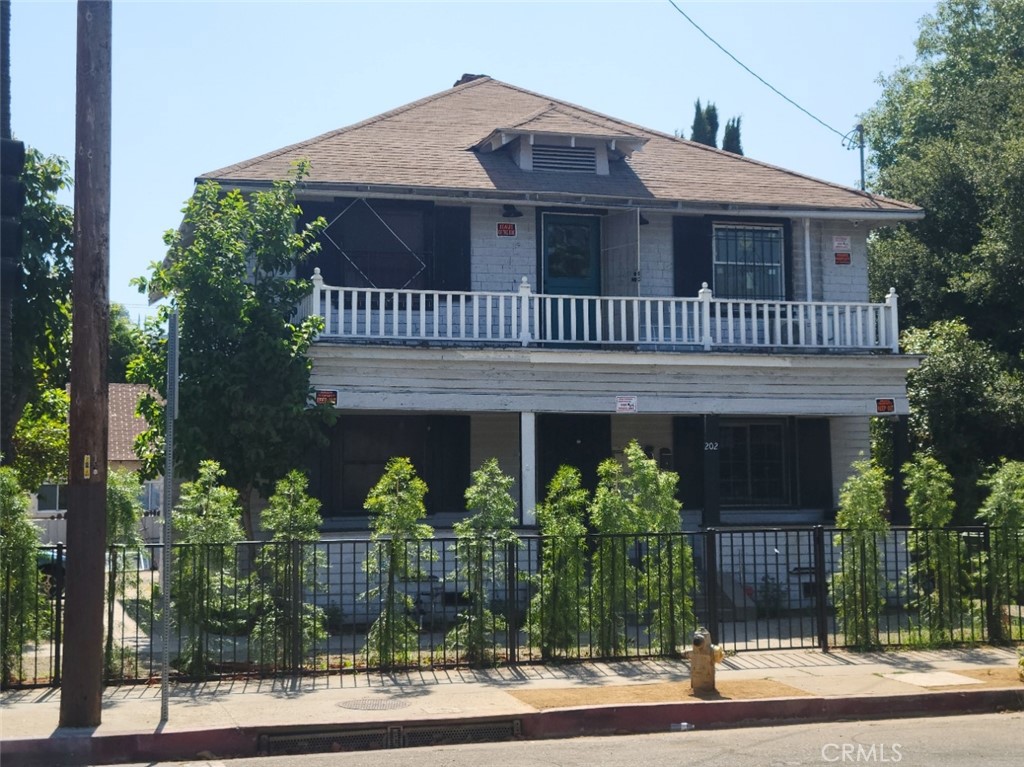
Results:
<point x="328" y="190"/>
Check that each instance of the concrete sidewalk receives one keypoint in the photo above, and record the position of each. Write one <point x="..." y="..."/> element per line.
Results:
<point x="342" y="712"/>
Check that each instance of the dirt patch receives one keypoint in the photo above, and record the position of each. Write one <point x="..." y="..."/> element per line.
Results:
<point x="996" y="676"/>
<point x="663" y="692"/>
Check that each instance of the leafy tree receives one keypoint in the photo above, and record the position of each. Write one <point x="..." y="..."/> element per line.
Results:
<point x="966" y="407"/>
<point x="485" y="539"/>
<point x="396" y="506"/>
<point x="21" y="598"/>
<point x="41" y="310"/>
<point x="126" y="343"/>
<point x="857" y="585"/>
<point x="242" y="362"/>
<point x="206" y="530"/>
<point x="937" y="554"/>
<point x="41" y="440"/>
<point x="731" y="137"/>
<point x="945" y="134"/>
<point x="287" y="627"/>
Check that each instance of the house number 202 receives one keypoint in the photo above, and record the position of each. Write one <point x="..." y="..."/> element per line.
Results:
<point x="711" y="446"/>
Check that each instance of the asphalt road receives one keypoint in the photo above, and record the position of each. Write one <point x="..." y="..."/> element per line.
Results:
<point x="960" y="741"/>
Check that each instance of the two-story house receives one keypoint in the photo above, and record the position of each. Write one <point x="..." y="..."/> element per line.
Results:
<point x="506" y="274"/>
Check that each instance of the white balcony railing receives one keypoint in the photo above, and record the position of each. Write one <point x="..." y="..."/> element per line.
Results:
<point x="526" y="318"/>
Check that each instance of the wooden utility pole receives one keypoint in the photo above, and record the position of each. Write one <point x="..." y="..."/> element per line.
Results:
<point x="82" y="686"/>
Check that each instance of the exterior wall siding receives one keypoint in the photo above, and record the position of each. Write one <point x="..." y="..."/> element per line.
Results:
<point x="497" y="436"/>
<point x="499" y="263"/>
<point x="851" y="441"/>
<point x="656" y="259"/>
<point x="841" y="282"/>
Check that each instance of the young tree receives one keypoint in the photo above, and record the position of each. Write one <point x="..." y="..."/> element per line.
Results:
<point x="396" y="506"/>
<point x="287" y="627"/>
<point x="701" y="130"/>
<point x="858" y="583"/>
<point x="558" y="609"/>
<point x="485" y="539"/>
<point x="243" y="366"/>
<point x="937" y="554"/>
<point x="124" y="538"/>
<point x="206" y="530"/>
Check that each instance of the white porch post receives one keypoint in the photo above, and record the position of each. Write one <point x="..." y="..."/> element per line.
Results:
<point x="314" y="298"/>
<point x="528" y="466"/>
<point x="524" y="311"/>
<point x="807" y="260"/>
<point x="892" y="302"/>
<point x="704" y="294"/>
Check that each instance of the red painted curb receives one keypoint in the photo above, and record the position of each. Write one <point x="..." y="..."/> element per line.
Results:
<point x="66" y="749"/>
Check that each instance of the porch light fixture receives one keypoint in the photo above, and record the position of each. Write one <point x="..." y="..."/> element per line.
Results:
<point x="511" y="211"/>
<point x="643" y="220"/>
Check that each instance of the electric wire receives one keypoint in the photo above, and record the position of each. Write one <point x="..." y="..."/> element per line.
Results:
<point x="752" y="72"/>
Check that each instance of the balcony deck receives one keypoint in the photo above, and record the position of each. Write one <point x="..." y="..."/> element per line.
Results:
<point x="527" y="319"/>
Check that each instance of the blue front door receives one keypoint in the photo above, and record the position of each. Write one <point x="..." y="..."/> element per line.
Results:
<point x="571" y="253"/>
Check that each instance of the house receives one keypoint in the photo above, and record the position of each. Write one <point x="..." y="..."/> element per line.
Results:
<point x="49" y="504"/>
<point x="506" y="274"/>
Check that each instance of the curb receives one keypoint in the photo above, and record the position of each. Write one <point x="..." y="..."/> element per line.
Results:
<point x="70" y="748"/>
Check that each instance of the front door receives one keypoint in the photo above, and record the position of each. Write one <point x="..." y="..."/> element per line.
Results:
<point x="571" y="262"/>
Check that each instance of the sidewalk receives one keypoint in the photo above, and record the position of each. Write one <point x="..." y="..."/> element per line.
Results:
<point x="245" y="717"/>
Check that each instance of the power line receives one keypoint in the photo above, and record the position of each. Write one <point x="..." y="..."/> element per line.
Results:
<point x="752" y="72"/>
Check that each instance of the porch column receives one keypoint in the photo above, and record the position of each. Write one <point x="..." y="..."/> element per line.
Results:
<point x="712" y="516"/>
<point x="807" y="260"/>
<point x="528" y="467"/>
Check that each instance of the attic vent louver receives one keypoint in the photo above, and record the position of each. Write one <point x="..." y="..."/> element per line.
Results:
<point x="579" y="159"/>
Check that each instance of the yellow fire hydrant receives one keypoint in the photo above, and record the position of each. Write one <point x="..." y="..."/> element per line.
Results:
<point x="703" y="658"/>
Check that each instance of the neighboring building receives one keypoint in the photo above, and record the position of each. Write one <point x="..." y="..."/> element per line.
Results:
<point x="506" y="274"/>
<point x="123" y="425"/>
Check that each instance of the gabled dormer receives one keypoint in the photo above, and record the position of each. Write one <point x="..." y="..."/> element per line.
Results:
<point x="557" y="139"/>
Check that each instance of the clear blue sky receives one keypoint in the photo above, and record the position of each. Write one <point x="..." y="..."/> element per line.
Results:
<point x="201" y="85"/>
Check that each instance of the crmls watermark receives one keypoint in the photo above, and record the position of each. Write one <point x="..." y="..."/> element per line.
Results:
<point x="878" y="753"/>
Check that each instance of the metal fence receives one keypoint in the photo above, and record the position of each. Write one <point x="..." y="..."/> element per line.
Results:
<point x="262" y="608"/>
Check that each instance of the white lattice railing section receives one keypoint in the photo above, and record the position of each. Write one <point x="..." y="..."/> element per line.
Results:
<point x="526" y="318"/>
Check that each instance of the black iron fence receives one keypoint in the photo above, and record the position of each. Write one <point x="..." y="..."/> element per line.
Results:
<point x="284" y="608"/>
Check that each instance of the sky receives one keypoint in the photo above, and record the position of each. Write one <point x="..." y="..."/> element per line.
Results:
<point x="201" y="85"/>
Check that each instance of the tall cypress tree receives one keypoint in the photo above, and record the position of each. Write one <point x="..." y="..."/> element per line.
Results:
<point x="731" y="137"/>
<point x="699" y="131"/>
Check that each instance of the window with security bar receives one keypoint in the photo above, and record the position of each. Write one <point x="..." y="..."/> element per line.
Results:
<point x="748" y="262"/>
<point x="754" y="469"/>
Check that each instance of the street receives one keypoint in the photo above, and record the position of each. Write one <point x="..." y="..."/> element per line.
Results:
<point x="981" y="739"/>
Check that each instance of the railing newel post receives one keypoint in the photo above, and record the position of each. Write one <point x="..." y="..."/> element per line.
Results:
<point x="704" y="295"/>
<point x="524" y="311"/>
<point x="892" y="303"/>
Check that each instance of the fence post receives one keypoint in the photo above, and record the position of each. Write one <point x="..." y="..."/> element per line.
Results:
<point x="992" y="614"/>
<point x="711" y="558"/>
<point x="512" y="601"/>
<point x="820" y="589"/>
<point x="58" y="615"/>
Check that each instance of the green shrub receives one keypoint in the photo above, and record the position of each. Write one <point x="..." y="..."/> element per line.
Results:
<point x="1003" y="511"/>
<point x="22" y="601"/>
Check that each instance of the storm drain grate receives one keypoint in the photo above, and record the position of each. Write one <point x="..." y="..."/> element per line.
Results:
<point x="327" y="741"/>
<point x="484" y="732"/>
<point x="324" y="742"/>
